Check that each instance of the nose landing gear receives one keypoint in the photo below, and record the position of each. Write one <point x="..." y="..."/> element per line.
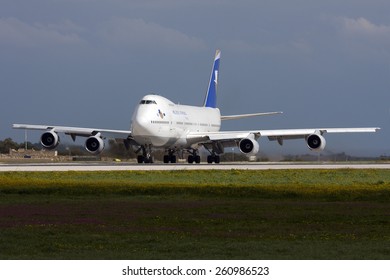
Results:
<point x="146" y="156"/>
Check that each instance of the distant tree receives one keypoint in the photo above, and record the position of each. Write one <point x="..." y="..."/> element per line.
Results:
<point x="229" y="157"/>
<point x="72" y="150"/>
<point x="7" y="144"/>
<point x="117" y="149"/>
<point x="30" y="146"/>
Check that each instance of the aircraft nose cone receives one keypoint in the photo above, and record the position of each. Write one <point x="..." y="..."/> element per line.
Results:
<point x="141" y="122"/>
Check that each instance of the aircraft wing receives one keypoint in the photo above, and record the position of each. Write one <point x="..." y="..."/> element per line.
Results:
<point x="77" y="131"/>
<point x="276" y="133"/>
<point x="235" y="117"/>
<point x="231" y="138"/>
<point x="302" y="133"/>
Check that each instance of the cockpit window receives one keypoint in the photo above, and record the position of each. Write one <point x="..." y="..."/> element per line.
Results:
<point x="148" y="102"/>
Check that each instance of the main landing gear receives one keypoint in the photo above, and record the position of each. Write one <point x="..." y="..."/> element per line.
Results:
<point x="193" y="157"/>
<point x="213" y="158"/>
<point x="170" y="157"/>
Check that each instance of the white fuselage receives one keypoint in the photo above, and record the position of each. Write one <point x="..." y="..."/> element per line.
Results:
<point x="159" y="122"/>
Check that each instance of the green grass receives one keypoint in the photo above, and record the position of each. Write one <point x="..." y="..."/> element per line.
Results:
<point x="236" y="214"/>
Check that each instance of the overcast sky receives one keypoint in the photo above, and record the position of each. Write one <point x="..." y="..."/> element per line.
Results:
<point x="89" y="62"/>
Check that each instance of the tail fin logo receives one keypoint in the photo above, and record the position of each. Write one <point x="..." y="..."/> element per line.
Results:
<point x="211" y="96"/>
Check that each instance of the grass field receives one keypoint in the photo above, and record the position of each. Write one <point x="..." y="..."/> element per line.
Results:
<point x="236" y="214"/>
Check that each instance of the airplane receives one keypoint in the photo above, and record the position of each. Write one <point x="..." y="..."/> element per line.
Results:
<point x="158" y="123"/>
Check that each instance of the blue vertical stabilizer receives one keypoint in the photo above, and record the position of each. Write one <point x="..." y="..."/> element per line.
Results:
<point x="211" y="96"/>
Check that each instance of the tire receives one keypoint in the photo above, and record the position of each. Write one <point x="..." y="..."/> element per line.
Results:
<point x="140" y="159"/>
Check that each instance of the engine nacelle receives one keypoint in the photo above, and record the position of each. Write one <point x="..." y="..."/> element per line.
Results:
<point x="94" y="145"/>
<point x="248" y="146"/>
<point x="50" y="140"/>
<point x="316" y="142"/>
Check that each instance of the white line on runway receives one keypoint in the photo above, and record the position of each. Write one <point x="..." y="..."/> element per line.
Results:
<point x="146" y="167"/>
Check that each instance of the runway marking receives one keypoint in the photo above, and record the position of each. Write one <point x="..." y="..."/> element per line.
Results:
<point x="159" y="167"/>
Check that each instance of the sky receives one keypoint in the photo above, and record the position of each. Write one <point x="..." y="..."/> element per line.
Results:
<point x="88" y="63"/>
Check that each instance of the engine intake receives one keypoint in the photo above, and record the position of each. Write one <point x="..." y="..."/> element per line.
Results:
<point x="249" y="146"/>
<point x="50" y="140"/>
<point x="316" y="142"/>
<point x="94" y="145"/>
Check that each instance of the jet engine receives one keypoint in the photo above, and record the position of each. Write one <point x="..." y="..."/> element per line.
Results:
<point x="316" y="142"/>
<point x="248" y="146"/>
<point x="50" y="140"/>
<point x="94" y="145"/>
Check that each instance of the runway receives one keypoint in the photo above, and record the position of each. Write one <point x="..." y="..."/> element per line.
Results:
<point x="39" y="167"/>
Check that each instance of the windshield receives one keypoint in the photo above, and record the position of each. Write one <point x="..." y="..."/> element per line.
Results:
<point x="148" y="102"/>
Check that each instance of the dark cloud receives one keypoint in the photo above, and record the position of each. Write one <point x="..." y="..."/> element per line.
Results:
<point x="15" y="32"/>
<point x="137" y="33"/>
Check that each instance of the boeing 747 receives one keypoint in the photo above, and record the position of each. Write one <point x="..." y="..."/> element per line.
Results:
<point x="158" y="123"/>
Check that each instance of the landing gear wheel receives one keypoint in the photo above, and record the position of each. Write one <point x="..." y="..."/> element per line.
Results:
<point x="143" y="159"/>
<point x="149" y="160"/>
<point x="169" y="159"/>
<point x="140" y="159"/>
<point x="193" y="157"/>
<point x="213" y="158"/>
<point x="146" y="156"/>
